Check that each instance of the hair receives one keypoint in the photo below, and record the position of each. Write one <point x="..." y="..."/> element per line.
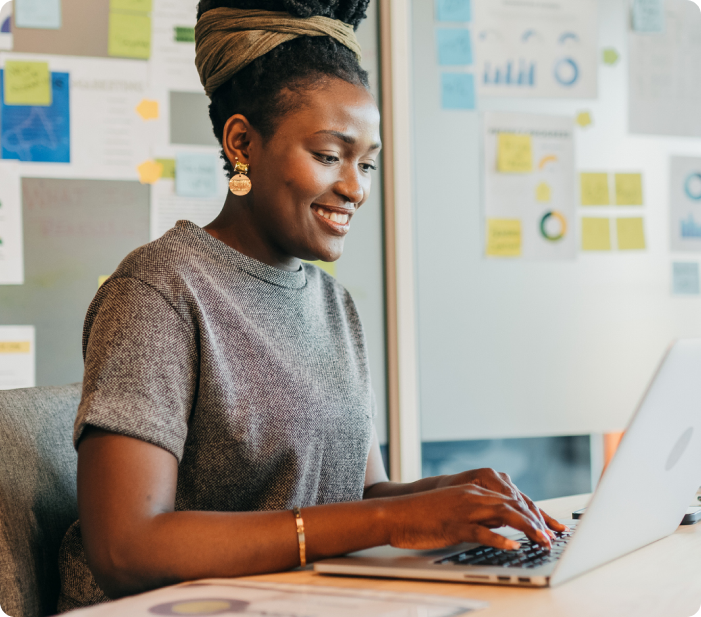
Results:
<point x="261" y="90"/>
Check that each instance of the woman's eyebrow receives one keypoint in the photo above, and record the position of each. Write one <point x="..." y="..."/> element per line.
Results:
<point x="347" y="138"/>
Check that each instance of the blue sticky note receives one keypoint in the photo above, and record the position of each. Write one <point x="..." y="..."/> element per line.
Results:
<point x="38" y="134"/>
<point x="457" y="91"/>
<point x="196" y="175"/>
<point x="453" y="10"/>
<point x="44" y="14"/>
<point x="454" y="46"/>
<point x="648" y="15"/>
<point x="685" y="279"/>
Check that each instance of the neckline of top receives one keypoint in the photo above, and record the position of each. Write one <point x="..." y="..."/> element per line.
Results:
<point x="253" y="267"/>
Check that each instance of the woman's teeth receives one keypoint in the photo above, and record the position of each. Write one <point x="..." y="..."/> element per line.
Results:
<point x="336" y="217"/>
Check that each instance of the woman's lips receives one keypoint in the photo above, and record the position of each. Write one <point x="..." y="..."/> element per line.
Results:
<point x="339" y="222"/>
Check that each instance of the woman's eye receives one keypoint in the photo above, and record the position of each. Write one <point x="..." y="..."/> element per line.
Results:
<point x="327" y="159"/>
<point x="368" y="167"/>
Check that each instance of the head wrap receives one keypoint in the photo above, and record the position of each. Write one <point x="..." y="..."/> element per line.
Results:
<point x="226" y="39"/>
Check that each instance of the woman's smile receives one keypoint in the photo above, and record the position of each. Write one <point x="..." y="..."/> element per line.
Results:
<point x="335" y="219"/>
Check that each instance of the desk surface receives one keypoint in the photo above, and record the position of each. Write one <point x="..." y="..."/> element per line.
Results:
<point x="662" y="579"/>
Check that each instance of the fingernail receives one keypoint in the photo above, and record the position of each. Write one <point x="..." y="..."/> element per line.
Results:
<point x="514" y="546"/>
<point x="550" y="533"/>
<point x="544" y="538"/>
<point x="567" y="528"/>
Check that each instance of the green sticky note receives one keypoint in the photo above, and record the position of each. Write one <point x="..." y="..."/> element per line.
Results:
<point x="129" y="36"/>
<point x="134" y="6"/>
<point x="27" y="83"/>
<point x="184" y="34"/>
<point x="168" y="167"/>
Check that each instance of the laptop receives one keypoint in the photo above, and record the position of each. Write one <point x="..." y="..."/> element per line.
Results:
<point x="658" y="462"/>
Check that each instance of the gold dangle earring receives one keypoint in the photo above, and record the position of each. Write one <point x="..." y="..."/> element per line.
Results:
<point x="240" y="184"/>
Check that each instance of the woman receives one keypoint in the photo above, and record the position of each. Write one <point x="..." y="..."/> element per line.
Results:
<point x="227" y="383"/>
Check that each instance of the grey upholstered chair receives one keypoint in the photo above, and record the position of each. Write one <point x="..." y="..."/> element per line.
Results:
<point x="37" y="494"/>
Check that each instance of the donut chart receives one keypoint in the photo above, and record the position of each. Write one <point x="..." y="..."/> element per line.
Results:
<point x="692" y="186"/>
<point x="550" y="220"/>
<point x="566" y="72"/>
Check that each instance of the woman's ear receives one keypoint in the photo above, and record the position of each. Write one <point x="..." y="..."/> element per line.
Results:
<point x="237" y="138"/>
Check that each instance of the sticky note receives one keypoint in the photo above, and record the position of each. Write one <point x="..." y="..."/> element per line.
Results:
<point x="454" y="46"/>
<point x="453" y="10"/>
<point x="457" y="91"/>
<point x="147" y="109"/>
<point x="129" y="36"/>
<point x="102" y="279"/>
<point x="685" y="279"/>
<point x="583" y="119"/>
<point x="610" y="56"/>
<point x="27" y="83"/>
<point x="648" y="15"/>
<point x="515" y="153"/>
<point x="149" y="172"/>
<point x="44" y="14"/>
<point x="631" y="235"/>
<point x="134" y="6"/>
<point x="15" y="347"/>
<point x="196" y="175"/>
<point x="543" y="192"/>
<point x="327" y="266"/>
<point x="184" y="34"/>
<point x="594" y="189"/>
<point x="596" y="234"/>
<point x="503" y="237"/>
<point x="168" y="167"/>
<point x="629" y="190"/>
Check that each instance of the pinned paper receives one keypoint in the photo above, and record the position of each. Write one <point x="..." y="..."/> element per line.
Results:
<point x="454" y="47"/>
<point x="610" y="56"/>
<point x="102" y="279"/>
<point x="150" y="172"/>
<point x="184" y="34"/>
<point x="584" y="119"/>
<point x="631" y="235"/>
<point x="515" y="154"/>
<point x="596" y="234"/>
<point x="168" y="166"/>
<point x="134" y="6"/>
<point x="147" y="109"/>
<point x="685" y="279"/>
<point x="453" y="10"/>
<point x="458" y="91"/>
<point x="27" y="83"/>
<point x="503" y="237"/>
<point x="594" y="189"/>
<point x="196" y="175"/>
<point x="629" y="190"/>
<point x="543" y="192"/>
<point x="129" y="36"/>
<point x="44" y="14"/>
<point x="648" y="15"/>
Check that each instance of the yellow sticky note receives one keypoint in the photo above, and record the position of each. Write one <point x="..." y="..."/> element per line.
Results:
<point x="129" y="36"/>
<point x="326" y="266"/>
<point x="543" y="192"/>
<point x="147" y="109"/>
<point x="584" y="119"/>
<point x="515" y="154"/>
<point x="135" y="6"/>
<point x="101" y="280"/>
<point x="631" y="234"/>
<point x="168" y="166"/>
<point x="27" y="83"/>
<point x="629" y="190"/>
<point x="14" y="347"/>
<point x="594" y="189"/>
<point x="149" y="172"/>
<point x="596" y="234"/>
<point x="503" y="237"/>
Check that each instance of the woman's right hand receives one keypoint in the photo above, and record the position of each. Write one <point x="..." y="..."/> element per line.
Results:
<point x="465" y="513"/>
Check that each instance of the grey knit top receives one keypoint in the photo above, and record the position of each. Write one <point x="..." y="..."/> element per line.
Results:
<point x="256" y="379"/>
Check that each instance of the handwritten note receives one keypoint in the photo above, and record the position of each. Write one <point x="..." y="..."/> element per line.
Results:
<point x="596" y="234"/>
<point x="168" y="166"/>
<point x="685" y="279"/>
<point x="631" y="234"/>
<point x="129" y="36"/>
<point x="453" y="10"/>
<point x="196" y="175"/>
<point x="454" y="47"/>
<point x="134" y="6"/>
<point x="594" y="189"/>
<point x="648" y="15"/>
<point x="44" y="14"/>
<point x="457" y="91"/>
<point x="629" y="190"/>
<point x="503" y="237"/>
<point x="27" y="83"/>
<point x="515" y="153"/>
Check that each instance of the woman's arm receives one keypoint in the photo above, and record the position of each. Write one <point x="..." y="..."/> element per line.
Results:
<point x="135" y="541"/>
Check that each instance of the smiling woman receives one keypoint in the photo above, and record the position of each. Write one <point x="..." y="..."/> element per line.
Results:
<point x="225" y="427"/>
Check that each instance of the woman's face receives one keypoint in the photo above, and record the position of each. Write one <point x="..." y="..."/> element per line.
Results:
<point x="312" y="175"/>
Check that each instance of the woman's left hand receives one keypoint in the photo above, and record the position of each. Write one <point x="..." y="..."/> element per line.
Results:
<point x="501" y="483"/>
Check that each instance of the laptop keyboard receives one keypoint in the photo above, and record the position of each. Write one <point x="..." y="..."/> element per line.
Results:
<point x="530" y="555"/>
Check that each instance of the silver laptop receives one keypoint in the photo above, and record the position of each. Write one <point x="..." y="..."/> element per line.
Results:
<point x="658" y="465"/>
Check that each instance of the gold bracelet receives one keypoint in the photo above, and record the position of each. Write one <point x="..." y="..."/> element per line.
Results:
<point x="300" y="537"/>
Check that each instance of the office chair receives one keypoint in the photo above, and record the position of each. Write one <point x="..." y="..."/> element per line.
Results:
<point x="38" y="500"/>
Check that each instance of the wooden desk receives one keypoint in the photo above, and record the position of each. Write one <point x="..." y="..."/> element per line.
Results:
<point x="659" y="580"/>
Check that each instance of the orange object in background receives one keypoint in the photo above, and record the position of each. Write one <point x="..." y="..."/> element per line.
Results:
<point x="611" y="441"/>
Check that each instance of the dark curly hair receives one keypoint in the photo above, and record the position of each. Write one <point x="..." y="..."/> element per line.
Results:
<point x="256" y="91"/>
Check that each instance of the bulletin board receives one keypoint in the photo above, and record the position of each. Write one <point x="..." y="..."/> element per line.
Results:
<point x="105" y="142"/>
<point x="516" y="338"/>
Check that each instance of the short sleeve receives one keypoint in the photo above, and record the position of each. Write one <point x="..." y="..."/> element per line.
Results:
<point x="140" y="367"/>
